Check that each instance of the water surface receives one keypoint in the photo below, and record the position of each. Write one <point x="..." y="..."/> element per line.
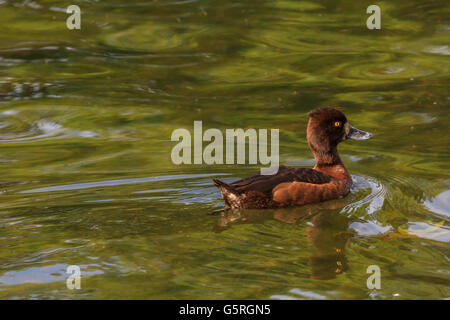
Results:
<point x="86" y="177"/>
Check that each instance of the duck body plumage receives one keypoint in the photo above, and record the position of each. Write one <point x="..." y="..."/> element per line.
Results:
<point x="289" y="187"/>
<point x="328" y="180"/>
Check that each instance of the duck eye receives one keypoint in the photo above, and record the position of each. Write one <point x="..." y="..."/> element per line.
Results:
<point x="337" y="124"/>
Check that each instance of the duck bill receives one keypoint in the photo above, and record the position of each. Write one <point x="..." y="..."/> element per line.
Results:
<point x="357" y="134"/>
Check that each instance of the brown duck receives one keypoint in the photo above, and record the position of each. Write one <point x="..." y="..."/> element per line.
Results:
<point x="328" y="180"/>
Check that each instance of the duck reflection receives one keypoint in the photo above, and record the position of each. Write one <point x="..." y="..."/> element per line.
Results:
<point x="328" y="232"/>
<point x="330" y="236"/>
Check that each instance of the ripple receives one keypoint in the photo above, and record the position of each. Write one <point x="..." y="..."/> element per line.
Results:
<point x="299" y="295"/>
<point x="372" y="202"/>
<point x="17" y="127"/>
<point x="308" y="294"/>
<point x="13" y="90"/>
<point x="43" y="130"/>
<point x="413" y="118"/>
<point x="444" y="50"/>
<point x="119" y="182"/>
<point x="156" y="37"/>
<point x="432" y="231"/>
<point x="378" y="97"/>
<point x="385" y="71"/>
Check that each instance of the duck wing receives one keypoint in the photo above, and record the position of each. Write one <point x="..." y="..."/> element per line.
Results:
<point x="266" y="183"/>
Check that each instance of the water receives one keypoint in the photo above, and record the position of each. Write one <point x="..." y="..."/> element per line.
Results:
<point x="86" y="177"/>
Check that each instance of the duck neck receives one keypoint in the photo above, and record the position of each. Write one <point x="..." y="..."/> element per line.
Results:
<point x="329" y="162"/>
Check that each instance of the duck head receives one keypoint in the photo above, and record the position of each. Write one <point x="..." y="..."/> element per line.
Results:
<point x="327" y="127"/>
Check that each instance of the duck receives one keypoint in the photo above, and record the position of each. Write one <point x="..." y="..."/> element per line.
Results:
<point x="329" y="179"/>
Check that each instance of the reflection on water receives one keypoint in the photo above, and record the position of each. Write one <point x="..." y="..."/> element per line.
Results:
<point x="85" y="125"/>
<point x="41" y="275"/>
<point x="328" y="230"/>
<point x="440" y="204"/>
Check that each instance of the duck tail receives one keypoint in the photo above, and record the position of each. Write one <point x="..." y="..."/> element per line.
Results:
<point x="230" y="195"/>
<point x="226" y="186"/>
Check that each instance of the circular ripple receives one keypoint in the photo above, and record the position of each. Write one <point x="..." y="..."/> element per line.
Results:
<point x="155" y="37"/>
<point x="17" y="126"/>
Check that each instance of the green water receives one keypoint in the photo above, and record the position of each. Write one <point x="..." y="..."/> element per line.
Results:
<point x="86" y="176"/>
